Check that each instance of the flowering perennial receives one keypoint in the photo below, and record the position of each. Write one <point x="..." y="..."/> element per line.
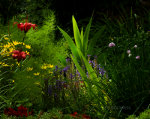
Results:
<point x="19" y="55"/>
<point x="21" y="112"/>
<point x="25" y="26"/>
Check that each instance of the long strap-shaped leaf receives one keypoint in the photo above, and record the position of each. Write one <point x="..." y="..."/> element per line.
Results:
<point x="82" y="73"/>
<point x="70" y="42"/>
<point x="85" y="38"/>
<point x="76" y="33"/>
<point x="89" y="68"/>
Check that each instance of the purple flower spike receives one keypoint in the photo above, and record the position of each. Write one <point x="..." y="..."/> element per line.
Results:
<point x="71" y="76"/>
<point x="137" y="57"/>
<point x="68" y="59"/>
<point x="66" y="68"/>
<point x="56" y="68"/>
<point x="111" y="44"/>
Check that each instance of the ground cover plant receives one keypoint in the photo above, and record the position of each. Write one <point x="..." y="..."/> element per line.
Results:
<point x="101" y="71"/>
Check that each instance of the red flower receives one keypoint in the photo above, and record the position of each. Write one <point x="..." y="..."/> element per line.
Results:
<point x="19" y="55"/>
<point x="74" y="114"/>
<point x="84" y="116"/>
<point x="25" y="26"/>
<point x="22" y="111"/>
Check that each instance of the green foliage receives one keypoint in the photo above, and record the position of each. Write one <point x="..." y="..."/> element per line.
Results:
<point x="143" y="115"/>
<point x="129" y="76"/>
<point x="94" y="85"/>
<point x="43" y="42"/>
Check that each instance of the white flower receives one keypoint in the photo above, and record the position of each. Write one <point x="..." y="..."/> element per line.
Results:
<point x="135" y="46"/>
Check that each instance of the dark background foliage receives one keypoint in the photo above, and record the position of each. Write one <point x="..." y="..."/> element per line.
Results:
<point x="64" y="9"/>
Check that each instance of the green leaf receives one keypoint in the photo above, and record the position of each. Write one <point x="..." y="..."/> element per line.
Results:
<point x="82" y="73"/>
<point x="62" y="59"/>
<point x="82" y="38"/>
<point x="93" y="41"/>
<point x="70" y="42"/>
<point x="89" y="68"/>
<point x="76" y="33"/>
<point x="86" y="36"/>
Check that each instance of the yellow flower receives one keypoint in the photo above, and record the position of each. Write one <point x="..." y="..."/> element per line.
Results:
<point x="10" y="50"/>
<point x="43" y="67"/>
<point x="13" y="81"/>
<point x="18" y="63"/>
<point x="16" y="42"/>
<point x="27" y="52"/>
<point x="29" y="68"/>
<point x="5" y="65"/>
<point x="7" y="45"/>
<point x="50" y="66"/>
<point x="6" y="38"/>
<point x="36" y="74"/>
<point x="28" y="46"/>
<point x="37" y="83"/>
<point x="50" y="72"/>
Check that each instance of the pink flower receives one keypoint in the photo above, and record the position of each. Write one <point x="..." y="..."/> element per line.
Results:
<point x="129" y="51"/>
<point x="111" y="44"/>
<point x="137" y="57"/>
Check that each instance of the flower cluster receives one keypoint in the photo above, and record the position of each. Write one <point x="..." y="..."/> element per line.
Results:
<point x="46" y="66"/>
<point x="6" y="49"/>
<point x="129" y="53"/>
<point x="19" y="55"/>
<point x="25" y="26"/>
<point x="83" y="116"/>
<point x="21" y="112"/>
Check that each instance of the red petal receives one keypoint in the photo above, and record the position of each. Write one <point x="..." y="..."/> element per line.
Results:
<point x="27" y="26"/>
<point x="16" y="51"/>
<point x="23" y="56"/>
<point x="14" y="56"/>
<point x="34" y="25"/>
<point x="75" y="113"/>
<point x="20" y="26"/>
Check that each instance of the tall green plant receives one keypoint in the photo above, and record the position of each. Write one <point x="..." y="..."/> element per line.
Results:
<point x="94" y="85"/>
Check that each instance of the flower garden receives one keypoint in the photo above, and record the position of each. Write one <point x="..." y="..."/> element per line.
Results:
<point x="95" y="69"/>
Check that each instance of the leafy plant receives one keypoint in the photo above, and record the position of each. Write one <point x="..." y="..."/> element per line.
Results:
<point x="93" y="84"/>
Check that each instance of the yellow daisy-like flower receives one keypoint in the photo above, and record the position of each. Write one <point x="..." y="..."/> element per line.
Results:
<point x="29" y="68"/>
<point x="43" y="67"/>
<point x="37" y="83"/>
<point x="16" y="43"/>
<point x="28" y="46"/>
<point x="13" y="81"/>
<point x="10" y="50"/>
<point x="36" y="74"/>
<point x="6" y="38"/>
<point x="18" y="63"/>
<point x="27" y="52"/>
<point x="50" y="66"/>
<point x="7" y="45"/>
<point x="5" y="65"/>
